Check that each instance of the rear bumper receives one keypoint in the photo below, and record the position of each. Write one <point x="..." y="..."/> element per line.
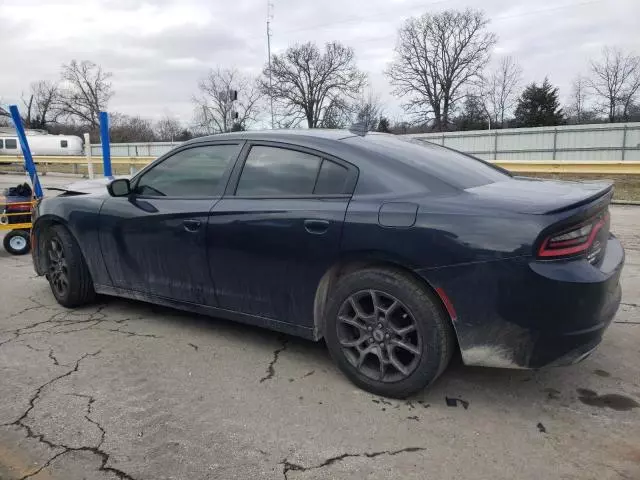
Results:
<point x="524" y="313"/>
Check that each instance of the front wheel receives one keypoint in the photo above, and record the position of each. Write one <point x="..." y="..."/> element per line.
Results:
<point x="17" y="242"/>
<point x="67" y="270"/>
<point x="387" y="332"/>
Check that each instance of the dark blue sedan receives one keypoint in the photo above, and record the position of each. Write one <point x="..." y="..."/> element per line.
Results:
<point x="397" y="252"/>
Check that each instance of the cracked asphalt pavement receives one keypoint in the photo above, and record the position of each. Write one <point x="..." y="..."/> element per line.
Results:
<point x="127" y="390"/>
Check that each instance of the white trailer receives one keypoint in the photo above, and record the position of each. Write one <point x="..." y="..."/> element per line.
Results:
<point x="42" y="144"/>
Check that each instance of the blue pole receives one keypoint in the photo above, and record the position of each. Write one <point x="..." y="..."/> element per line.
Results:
<point x="29" y="165"/>
<point x="106" y="147"/>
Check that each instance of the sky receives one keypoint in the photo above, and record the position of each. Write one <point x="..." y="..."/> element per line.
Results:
<point x="157" y="50"/>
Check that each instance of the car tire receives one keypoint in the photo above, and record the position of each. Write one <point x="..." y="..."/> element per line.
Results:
<point x="67" y="270"/>
<point x="364" y="339"/>
<point x="17" y="242"/>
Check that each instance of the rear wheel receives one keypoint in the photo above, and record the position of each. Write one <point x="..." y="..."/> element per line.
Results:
<point x="67" y="270"/>
<point x="387" y="332"/>
<point x="17" y="242"/>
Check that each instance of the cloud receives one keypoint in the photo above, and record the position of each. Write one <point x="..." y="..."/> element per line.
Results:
<point x="158" y="49"/>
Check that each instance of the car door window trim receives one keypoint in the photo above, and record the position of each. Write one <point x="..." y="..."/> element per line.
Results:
<point x="223" y="182"/>
<point x="234" y="179"/>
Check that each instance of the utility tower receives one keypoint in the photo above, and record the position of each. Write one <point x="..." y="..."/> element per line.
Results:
<point x="269" y="18"/>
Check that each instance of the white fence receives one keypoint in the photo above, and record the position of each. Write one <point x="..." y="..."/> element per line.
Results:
<point x="602" y="142"/>
<point x="151" y="149"/>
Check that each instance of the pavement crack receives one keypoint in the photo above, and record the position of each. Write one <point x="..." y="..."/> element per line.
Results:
<point x="31" y="347"/>
<point x="97" y="450"/>
<point x="636" y="305"/>
<point x="10" y="339"/>
<point x="20" y="422"/>
<point x="194" y="346"/>
<point x="37" y="306"/>
<point x="130" y="334"/>
<point x="61" y="319"/>
<point x="104" y="457"/>
<point x="53" y="357"/>
<point x="290" y="466"/>
<point x="619" y="323"/>
<point x="271" y="371"/>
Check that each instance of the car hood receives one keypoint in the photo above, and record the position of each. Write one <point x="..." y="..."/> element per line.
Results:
<point x="539" y="196"/>
<point x="98" y="185"/>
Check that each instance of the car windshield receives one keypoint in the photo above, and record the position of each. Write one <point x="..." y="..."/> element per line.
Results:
<point x="454" y="168"/>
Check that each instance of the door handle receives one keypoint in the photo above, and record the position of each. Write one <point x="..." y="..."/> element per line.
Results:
<point x="316" y="227"/>
<point x="192" y="226"/>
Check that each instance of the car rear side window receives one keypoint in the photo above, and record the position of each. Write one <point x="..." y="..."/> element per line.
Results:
<point x="332" y="179"/>
<point x="195" y="172"/>
<point x="11" y="143"/>
<point x="274" y="171"/>
<point x="1" y="143"/>
<point x="453" y="168"/>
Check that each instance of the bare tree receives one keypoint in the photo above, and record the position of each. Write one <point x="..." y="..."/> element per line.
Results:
<point x="4" y="113"/>
<point x="168" y="129"/>
<point x="368" y="111"/>
<point x="5" y="118"/>
<point x="500" y="89"/>
<point x="127" y="128"/>
<point x="577" y="108"/>
<point x="337" y="114"/>
<point x="437" y="57"/>
<point x="616" y="81"/>
<point x="216" y="111"/>
<point x="41" y="105"/>
<point x="85" y="92"/>
<point x="308" y="84"/>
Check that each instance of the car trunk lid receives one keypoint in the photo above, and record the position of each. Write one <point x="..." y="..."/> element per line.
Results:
<point x="540" y="196"/>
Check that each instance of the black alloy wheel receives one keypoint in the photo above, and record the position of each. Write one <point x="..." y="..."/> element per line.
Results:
<point x="67" y="270"/>
<point x="378" y="335"/>
<point x="58" y="272"/>
<point x="387" y="331"/>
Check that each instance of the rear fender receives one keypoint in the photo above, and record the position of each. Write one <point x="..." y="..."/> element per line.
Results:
<point x="359" y="260"/>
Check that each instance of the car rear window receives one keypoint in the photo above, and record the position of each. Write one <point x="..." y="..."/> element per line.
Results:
<point x="274" y="171"/>
<point x="451" y="167"/>
<point x="331" y="179"/>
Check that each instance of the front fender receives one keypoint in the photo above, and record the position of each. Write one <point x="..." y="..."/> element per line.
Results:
<point x="40" y="225"/>
<point x="80" y="214"/>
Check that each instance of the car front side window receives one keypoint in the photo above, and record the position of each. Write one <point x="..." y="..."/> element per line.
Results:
<point x="193" y="172"/>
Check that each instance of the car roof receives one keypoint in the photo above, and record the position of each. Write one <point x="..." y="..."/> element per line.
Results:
<point x="279" y="134"/>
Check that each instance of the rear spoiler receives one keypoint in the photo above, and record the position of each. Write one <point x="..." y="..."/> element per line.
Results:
<point x="605" y="194"/>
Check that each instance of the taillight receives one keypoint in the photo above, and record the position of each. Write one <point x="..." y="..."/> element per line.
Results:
<point x="573" y="241"/>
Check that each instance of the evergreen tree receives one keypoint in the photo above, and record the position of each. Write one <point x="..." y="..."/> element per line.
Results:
<point x="473" y="116"/>
<point x="383" y="125"/>
<point x="538" y="106"/>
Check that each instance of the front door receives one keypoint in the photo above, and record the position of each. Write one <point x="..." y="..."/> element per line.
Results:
<point x="154" y="241"/>
<point x="274" y="236"/>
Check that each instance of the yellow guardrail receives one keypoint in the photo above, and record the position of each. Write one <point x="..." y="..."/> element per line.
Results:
<point x="567" y="166"/>
<point x="79" y="160"/>
<point x="517" y="166"/>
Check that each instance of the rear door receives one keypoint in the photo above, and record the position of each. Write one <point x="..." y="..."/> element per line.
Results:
<point x="278" y="230"/>
<point x="155" y="240"/>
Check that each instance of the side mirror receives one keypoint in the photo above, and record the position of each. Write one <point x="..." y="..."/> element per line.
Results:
<point x="119" y="188"/>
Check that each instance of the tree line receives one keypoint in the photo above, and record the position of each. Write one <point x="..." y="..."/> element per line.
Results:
<point x="440" y="72"/>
